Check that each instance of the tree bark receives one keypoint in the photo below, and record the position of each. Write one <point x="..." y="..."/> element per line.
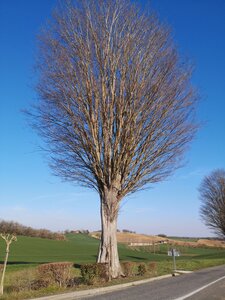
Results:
<point x="3" y="271"/>
<point x="108" y="251"/>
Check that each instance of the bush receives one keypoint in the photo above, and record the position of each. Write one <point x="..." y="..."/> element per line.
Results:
<point x="58" y="273"/>
<point x="94" y="272"/>
<point x="88" y="273"/>
<point x="142" y="269"/>
<point x="75" y="281"/>
<point x="103" y="271"/>
<point x="152" y="267"/>
<point x="22" y="280"/>
<point x="38" y="284"/>
<point x="128" y="268"/>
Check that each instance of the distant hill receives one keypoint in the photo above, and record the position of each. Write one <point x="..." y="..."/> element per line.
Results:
<point x="135" y="238"/>
<point x="19" y="229"/>
<point x="128" y="238"/>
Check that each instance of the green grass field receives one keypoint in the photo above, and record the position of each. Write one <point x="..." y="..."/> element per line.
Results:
<point x="77" y="248"/>
<point x="81" y="248"/>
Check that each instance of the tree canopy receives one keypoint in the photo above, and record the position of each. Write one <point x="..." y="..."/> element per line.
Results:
<point x="212" y="195"/>
<point x="116" y="103"/>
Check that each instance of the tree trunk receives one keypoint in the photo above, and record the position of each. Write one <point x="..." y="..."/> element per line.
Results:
<point x="108" y="252"/>
<point x="3" y="271"/>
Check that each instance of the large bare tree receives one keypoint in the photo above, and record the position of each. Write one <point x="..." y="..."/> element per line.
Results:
<point x="116" y="104"/>
<point x="212" y="195"/>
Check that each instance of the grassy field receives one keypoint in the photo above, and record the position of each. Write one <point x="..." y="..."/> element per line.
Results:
<point x="81" y="248"/>
<point x="77" y="248"/>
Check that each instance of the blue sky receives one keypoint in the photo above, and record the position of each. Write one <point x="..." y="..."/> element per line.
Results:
<point x="29" y="193"/>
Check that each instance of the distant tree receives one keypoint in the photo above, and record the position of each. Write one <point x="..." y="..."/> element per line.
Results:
<point x="162" y="235"/>
<point x="84" y="231"/>
<point x="212" y="195"/>
<point x="116" y="106"/>
<point x="18" y="229"/>
<point x="128" y="231"/>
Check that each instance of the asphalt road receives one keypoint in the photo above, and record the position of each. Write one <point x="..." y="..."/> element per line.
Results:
<point x="214" y="292"/>
<point x="199" y="285"/>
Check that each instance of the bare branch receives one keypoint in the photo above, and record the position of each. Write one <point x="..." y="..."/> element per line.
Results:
<point x="116" y="105"/>
<point x="212" y="195"/>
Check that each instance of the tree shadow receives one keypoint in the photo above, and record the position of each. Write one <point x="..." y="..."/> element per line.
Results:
<point x="24" y="262"/>
<point x="137" y="257"/>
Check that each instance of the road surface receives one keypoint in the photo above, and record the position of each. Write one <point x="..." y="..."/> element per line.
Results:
<point x="206" y="284"/>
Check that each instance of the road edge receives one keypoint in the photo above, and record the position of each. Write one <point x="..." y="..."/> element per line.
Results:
<point x="98" y="291"/>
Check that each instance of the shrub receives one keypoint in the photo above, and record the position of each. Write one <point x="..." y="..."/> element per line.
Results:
<point x="58" y="273"/>
<point x="22" y="280"/>
<point x="128" y="268"/>
<point x="142" y="269"/>
<point x="94" y="272"/>
<point x="37" y="284"/>
<point x="75" y="281"/>
<point x="88" y="273"/>
<point x="103" y="271"/>
<point x="152" y="267"/>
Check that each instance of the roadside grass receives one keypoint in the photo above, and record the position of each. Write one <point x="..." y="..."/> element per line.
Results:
<point x="27" y="253"/>
<point x="163" y="267"/>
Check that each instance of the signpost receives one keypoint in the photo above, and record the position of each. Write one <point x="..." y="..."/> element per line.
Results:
<point x="173" y="252"/>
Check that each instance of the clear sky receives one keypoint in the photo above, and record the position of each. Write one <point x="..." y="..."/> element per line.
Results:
<point x="29" y="194"/>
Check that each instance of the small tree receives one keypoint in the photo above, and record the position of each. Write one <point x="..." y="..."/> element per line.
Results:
<point x="116" y="104"/>
<point x="9" y="238"/>
<point x="212" y="195"/>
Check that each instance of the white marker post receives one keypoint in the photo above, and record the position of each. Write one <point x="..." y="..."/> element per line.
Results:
<point x="173" y="252"/>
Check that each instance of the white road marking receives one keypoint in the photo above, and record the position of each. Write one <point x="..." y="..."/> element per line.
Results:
<point x="198" y="290"/>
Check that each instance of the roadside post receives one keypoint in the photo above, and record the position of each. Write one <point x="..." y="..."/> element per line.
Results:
<point x="173" y="252"/>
